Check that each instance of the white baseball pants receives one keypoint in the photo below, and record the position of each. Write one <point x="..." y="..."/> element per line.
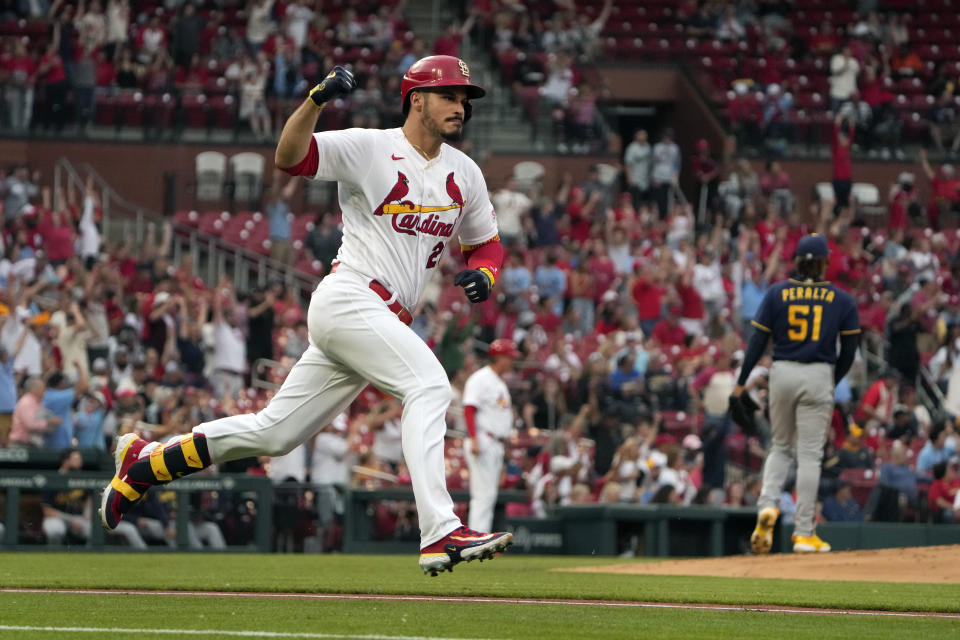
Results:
<point x="484" y="481"/>
<point x="354" y="338"/>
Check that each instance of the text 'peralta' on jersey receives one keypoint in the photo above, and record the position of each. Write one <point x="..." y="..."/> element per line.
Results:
<point x="400" y="209"/>
<point x="805" y="319"/>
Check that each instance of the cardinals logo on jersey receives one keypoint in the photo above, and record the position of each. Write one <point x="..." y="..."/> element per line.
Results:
<point x="407" y="216"/>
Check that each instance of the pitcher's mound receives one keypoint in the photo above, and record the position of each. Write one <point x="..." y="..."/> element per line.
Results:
<point x="913" y="564"/>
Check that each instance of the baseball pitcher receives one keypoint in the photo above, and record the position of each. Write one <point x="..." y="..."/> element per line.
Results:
<point x="404" y="194"/>
<point x="805" y="316"/>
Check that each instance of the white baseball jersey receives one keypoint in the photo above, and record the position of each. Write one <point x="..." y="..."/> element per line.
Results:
<point x="487" y="391"/>
<point x="399" y="209"/>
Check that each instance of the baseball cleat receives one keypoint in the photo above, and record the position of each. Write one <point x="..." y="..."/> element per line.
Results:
<point x="462" y="545"/>
<point x="762" y="537"/>
<point x="809" y="544"/>
<point x="119" y="495"/>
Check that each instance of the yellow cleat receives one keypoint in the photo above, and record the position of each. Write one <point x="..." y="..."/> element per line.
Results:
<point x="762" y="537"/>
<point x="809" y="544"/>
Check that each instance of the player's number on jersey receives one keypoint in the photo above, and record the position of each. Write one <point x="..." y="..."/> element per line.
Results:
<point x="435" y="255"/>
<point x="798" y="316"/>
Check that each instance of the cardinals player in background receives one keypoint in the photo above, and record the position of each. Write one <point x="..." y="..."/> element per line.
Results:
<point x="404" y="193"/>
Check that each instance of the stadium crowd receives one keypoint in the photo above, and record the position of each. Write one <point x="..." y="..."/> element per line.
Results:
<point x="630" y="316"/>
<point x="185" y="64"/>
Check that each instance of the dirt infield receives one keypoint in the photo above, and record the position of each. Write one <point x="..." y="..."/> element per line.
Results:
<point x="914" y="564"/>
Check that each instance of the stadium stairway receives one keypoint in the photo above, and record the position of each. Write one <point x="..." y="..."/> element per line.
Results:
<point x="497" y="124"/>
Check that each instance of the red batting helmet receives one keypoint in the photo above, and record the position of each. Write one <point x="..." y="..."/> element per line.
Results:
<point x="503" y="347"/>
<point x="437" y="71"/>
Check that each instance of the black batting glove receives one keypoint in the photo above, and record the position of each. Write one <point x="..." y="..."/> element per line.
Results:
<point x="475" y="284"/>
<point x="338" y="82"/>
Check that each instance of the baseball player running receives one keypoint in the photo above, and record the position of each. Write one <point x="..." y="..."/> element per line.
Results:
<point x="489" y="416"/>
<point x="404" y="195"/>
<point x="805" y="316"/>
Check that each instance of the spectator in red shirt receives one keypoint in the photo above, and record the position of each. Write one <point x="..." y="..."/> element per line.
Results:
<point x="52" y="86"/>
<point x="691" y="304"/>
<point x="192" y="77"/>
<point x="648" y="292"/>
<point x="902" y="196"/>
<point x="58" y="237"/>
<point x="842" y="165"/>
<point x="944" y="190"/>
<point x="106" y="73"/>
<point x="943" y="493"/>
<point x="775" y="184"/>
<point x="668" y="332"/>
<point x="824" y="40"/>
<point x="448" y="44"/>
<point x="876" y="408"/>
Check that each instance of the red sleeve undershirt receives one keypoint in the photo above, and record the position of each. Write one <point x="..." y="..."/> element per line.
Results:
<point x="488" y="256"/>
<point x="469" y="415"/>
<point x="308" y="166"/>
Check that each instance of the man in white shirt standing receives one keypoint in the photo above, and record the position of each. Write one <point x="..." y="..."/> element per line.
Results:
<point x="843" y="77"/>
<point x="489" y="416"/>
<point x="229" y="351"/>
<point x="511" y="207"/>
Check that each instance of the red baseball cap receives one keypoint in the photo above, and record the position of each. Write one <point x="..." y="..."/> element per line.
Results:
<point x="503" y="347"/>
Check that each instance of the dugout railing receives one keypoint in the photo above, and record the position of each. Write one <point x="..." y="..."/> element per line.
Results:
<point x="21" y="489"/>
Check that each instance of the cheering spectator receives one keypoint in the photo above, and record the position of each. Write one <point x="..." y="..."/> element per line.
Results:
<point x="279" y="215"/>
<point x="512" y="209"/>
<point x="843" y="130"/>
<point x="945" y="190"/>
<point x="876" y="408"/>
<point x="59" y="399"/>
<point x="448" y="43"/>
<point x="937" y="449"/>
<point x="844" y="69"/>
<point x="31" y="422"/>
<point x="943" y="493"/>
<point x="230" y="348"/>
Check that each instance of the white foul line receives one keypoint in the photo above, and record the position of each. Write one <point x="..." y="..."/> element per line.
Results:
<point x="216" y="632"/>
<point x="749" y="608"/>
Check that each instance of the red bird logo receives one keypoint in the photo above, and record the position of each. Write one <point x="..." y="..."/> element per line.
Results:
<point x="398" y="191"/>
<point x="454" y="191"/>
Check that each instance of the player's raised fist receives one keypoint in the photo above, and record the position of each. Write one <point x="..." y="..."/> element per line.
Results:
<point x="338" y="82"/>
<point x="476" y="284"/>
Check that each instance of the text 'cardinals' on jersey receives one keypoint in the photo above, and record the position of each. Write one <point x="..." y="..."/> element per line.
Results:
<point x="400" y="209"/>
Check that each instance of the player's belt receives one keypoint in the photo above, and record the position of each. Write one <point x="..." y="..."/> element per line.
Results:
<point x="392" y="303"/>
<point x="503" y="440"/>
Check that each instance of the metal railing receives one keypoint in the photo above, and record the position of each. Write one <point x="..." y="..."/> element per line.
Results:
<point x="212" y="257"/>
<point x="14" y="484"/>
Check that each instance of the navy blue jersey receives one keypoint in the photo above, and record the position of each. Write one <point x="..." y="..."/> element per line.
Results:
<point x="805" y="320"/>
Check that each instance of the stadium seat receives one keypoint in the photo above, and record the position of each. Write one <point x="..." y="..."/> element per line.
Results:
<point x="211" y="169"/>
<point x="246" y="170"/>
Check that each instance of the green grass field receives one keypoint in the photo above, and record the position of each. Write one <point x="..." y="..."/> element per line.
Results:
<point x="146" y="616"/>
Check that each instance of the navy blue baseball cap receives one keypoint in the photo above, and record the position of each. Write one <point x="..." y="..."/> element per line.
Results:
<point x="812" y="246"/>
